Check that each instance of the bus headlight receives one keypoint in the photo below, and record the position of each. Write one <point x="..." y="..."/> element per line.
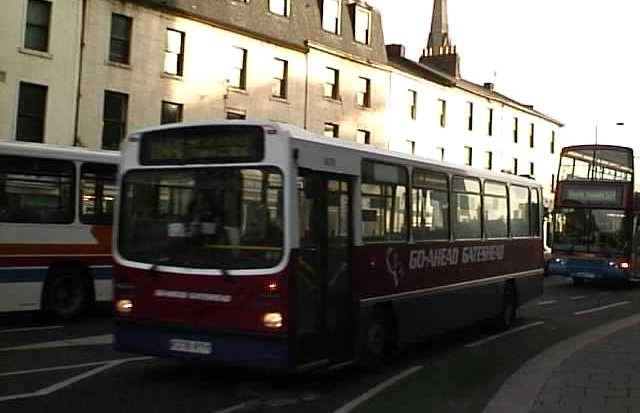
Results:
<point x="623" y="265"/>
<point x="272" y="320"/>
<point x="560" y="261"/>
<point x="124" y="306"/>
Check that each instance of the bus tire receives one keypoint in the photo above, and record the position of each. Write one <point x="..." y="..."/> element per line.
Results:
<point x="509" y="311"/>
<point x="68" y="293"/>
<point x="374" y="341"/>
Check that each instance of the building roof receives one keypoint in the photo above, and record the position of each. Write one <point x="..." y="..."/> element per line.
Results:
<point x="399" y="61"/>
<point x="304" y="24"/>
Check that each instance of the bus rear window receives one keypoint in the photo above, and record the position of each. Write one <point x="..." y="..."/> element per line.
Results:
<point x="203" y="144"/>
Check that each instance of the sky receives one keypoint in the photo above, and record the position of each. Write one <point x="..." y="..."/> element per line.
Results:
<point x="577" y="61"/>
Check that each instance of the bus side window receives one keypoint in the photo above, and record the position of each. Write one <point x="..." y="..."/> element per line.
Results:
<point x="36" y="190"/>
<point x="97" y="193"/>
<point x="468" y="208"/>
<point x="535" y="212"/>
<point x="520" y="211"/>
<point x="384" y="202"/>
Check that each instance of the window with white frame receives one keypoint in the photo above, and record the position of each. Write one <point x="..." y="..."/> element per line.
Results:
<point x="362" y="26"/>
<point x="279" y="7"/>
<point x="238" y="75"/>
<point x="363" y="95"/>
<point x="331" y="16"/>
<point x="174" y="52"/>
<point x="331" y="84"/>
<point x="279" y="85"/>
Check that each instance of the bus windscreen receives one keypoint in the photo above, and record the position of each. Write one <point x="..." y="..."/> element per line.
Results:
<point x="206" y="145"/>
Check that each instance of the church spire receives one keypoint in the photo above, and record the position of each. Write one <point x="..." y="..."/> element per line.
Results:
<point x="440" y="51"/>
<point x="439" y="35"/>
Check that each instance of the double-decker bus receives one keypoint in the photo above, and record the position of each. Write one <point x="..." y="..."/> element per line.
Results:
<point x="56" y="211"/>
<point x="593" y="216"/>
<point x="260" y="244"/>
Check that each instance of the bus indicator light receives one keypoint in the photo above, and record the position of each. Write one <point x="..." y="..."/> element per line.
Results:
<point x="372" y="262"/>
<point x="272" y="287"/>
<point x="124" y="306"/>
<point x="272" y="320"/>
<point x="624" y="265"/>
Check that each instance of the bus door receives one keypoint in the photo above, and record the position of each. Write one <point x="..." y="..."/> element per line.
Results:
<point x="323" y="284"/>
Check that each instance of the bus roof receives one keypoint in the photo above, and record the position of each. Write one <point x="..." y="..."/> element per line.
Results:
<point x="44" y="150"/>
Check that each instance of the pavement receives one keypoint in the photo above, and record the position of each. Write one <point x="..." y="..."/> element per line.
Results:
<point x="597" y="371"/>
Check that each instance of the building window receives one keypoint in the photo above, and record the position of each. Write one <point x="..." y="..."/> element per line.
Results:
<point x="552" y="143"/>
<point x="238" y="76"/>
<point x="236" y="115"/>
<point x="443" y="112"/>
<point x="411" y="146"/>
<point x="32" y="106"/>
<point x="37" y="30"/>
<point x="279" y="85"/>
<point x="120" y="38"/>
<point x="279" y="7"/>
<point x="363" y="26"/>
<point x="490" y="122"/>
<point x="488" y="160"/>
<point x="331" y="85"/>
<point x="468" y="155"/>
<point x="363" y="96"/>
<point x="553" y="182"/>
<point x="171" y="112"/>
<point x="531" y="135"/>
<point x="331" y="130"/>
<point x="514" y="166"/>
<point x="440" y="152"/>
<point x="413" y="104"/>
<point x="470" y="115"/>
<point x="174" y="53"/>
<point x="331" y="16"/>
<point x="363" y="136"/>
<point x="515" y="130"/>
<point x="531" y="169"/>
<point x="114" y="119"/>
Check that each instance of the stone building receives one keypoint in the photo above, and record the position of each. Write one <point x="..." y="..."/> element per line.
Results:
<point x="86" y="72"/>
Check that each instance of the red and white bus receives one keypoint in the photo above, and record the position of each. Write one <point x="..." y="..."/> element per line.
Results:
<point x="260" y="244"/>
<point x="56" y="211"/>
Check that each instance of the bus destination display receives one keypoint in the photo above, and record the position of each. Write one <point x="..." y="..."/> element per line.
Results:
<point x="216" y="144"/>
<point x="593" y="196"/>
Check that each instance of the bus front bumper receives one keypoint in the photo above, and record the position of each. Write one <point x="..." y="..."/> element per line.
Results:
<point x="246" y="350"/>
<point x="600" y="272"/>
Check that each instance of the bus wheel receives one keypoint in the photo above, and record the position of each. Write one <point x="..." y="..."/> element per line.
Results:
<point x="374" y="342"/>
<point x="67" y="294"/>
<point x="509" y="307"/>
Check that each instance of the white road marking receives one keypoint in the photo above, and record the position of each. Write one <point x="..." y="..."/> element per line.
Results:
<point x="19" y="330"/>
<point x="238" y="407"/>
<point x="67" y="367"/>
<point x="66" y="383"/>
<point x="101" y="340"/>
<point x="547" y="302"/>
<point x="380" y="387"/>
<point x="604" y="307"/>
<point x="577" y="297"/>
<point x="497" y="336"/>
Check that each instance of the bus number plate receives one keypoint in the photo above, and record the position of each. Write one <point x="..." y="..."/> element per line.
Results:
<point x="585" y="275"/>
<point x="189" y="346"/>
